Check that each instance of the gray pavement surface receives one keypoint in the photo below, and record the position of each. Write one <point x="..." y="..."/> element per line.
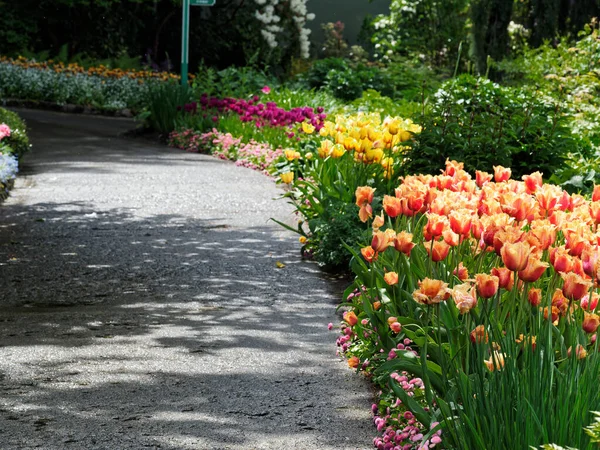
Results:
<point x="142" y="307"/>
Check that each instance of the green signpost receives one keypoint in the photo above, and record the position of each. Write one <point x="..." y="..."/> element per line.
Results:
<point x="185" y="34"/>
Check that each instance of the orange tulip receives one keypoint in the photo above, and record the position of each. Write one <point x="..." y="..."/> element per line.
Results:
<point x="436" y="224"/>
<point x="534" y="296"/>
<point x="596" y="193"/>
<point x="460" y="221"/>
<point x="482" y="178"/>
<point x="496" y="361"/>
<point x="464" y="297"/>
<point x="353" y="362"/>
<point x="365" y="212"/>
<point x="391" y="278"/>
<point x="461" y="272"/>
<point x="575" y="286"/>
<point x="364" y="195"/>
<point x="487" y="285"/>
<point x="392" y="206"/>
<point x="380" y="241"/>
<point x="403" y="242"/>
<point x="431" y="292"/>
<point x="560" y="259"/>
<point x="350" y="318"/>
<point x="533" y="271"/>
<point x="501" y="174"/>
<point x="553" y="314"/>
<point x="515" y="255"/>
<point x="505" y="276"/>
<point x="378" y="222"/>
<point x="438" y="252"/>
<point x="590" y="323"/>
<point x="368" y="253"/>
<point x="533" y="182"/>
<point x="478" y="335"/>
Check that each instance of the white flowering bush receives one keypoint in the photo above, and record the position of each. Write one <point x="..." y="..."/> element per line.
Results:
<point x="270" y="12"/>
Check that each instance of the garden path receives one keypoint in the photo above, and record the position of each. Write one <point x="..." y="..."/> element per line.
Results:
<point x="143" y="306"/>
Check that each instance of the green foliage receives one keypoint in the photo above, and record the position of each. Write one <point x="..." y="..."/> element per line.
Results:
<point x="17" y="142"/>
<point x="433" y="29"/>
<point x="373" y="101"/>
<point x="237" y="82"/>
<point x="346" y="80"/>
<point x="484" y="124"/>
<point x="163" y="106"/>
<point x="79" y="89"/>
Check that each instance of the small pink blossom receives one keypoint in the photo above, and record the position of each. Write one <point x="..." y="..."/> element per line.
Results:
<point x="266" y="90"/>
<point x="4" y="131"/>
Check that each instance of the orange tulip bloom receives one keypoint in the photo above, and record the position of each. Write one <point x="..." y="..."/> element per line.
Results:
<point x="353" y="362"/>
<point x="534" y="296"/>
<point x="381" y="241"/>
<point x="596" y="193"/>
<point x="575" y="286"/>
<point x="553" y="314"/>
<point x="365" y="212"/>
<point x="461" y="272"/>
<point x="590" y="322"/>
<point x="391" y="278"/>
<point x="501" y="174"/>
<point x="496" y="361"/>
<point x="487" y="285"/>
<point x="478" y="335"/>
<point x="560" y="259"/>
<point x="460" y="221"/>
<point x="378" y="222"/>
<point x="439" y="252"/>
<point x="431" y="292"/>
<point x="542" y="235"/>
<point x="505" y="276"/>
<point x="368" y="253"/>
<point x="364" y="195"/>
<point x="482" y="178"/>
<point x="392" y="206"/>
<point x="515" y="255"/>
<point x="533" y="271"/>
<point x="403" y="242"/>
<point x="465" y="297"/>
<point x="533" y="182"/>
<point x="436" y="224"/>
<point x="350" y="318"/>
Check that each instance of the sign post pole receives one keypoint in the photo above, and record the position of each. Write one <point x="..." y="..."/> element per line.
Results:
<point x="185" y="37"/>
<point x="185" y="34"/>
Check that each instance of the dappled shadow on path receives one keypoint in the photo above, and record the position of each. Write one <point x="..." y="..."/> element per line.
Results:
<point x="164" y="331"/>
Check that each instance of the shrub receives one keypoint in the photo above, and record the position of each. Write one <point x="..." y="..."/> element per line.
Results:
<point x="163" y="106"/>
<point x="484" y="124"/>
<point x="18" y="142"/>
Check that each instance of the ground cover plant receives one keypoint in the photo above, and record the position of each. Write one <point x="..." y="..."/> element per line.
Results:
<point x="100" y="87"/>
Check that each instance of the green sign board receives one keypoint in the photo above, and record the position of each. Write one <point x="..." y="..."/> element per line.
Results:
<point x="202" y="2"/>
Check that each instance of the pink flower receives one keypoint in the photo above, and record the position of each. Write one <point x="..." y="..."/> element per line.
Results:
<point x="4" y="131"/>
<point x="266" y="90"/>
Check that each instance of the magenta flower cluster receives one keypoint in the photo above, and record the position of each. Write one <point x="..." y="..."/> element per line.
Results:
<point x="261" y="114"/>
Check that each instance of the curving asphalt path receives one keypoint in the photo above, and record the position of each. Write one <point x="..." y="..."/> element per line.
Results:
<point x="142" y="306"/>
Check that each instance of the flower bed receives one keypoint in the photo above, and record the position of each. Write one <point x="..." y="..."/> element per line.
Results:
<point x="492" y="284"/>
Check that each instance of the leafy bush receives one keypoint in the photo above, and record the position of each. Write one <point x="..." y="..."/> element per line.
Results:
<point x="163" y="106"/>
<point x="484" y="124"/>
<point x="238" y="82"/>
<point x="18" y="142"/>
